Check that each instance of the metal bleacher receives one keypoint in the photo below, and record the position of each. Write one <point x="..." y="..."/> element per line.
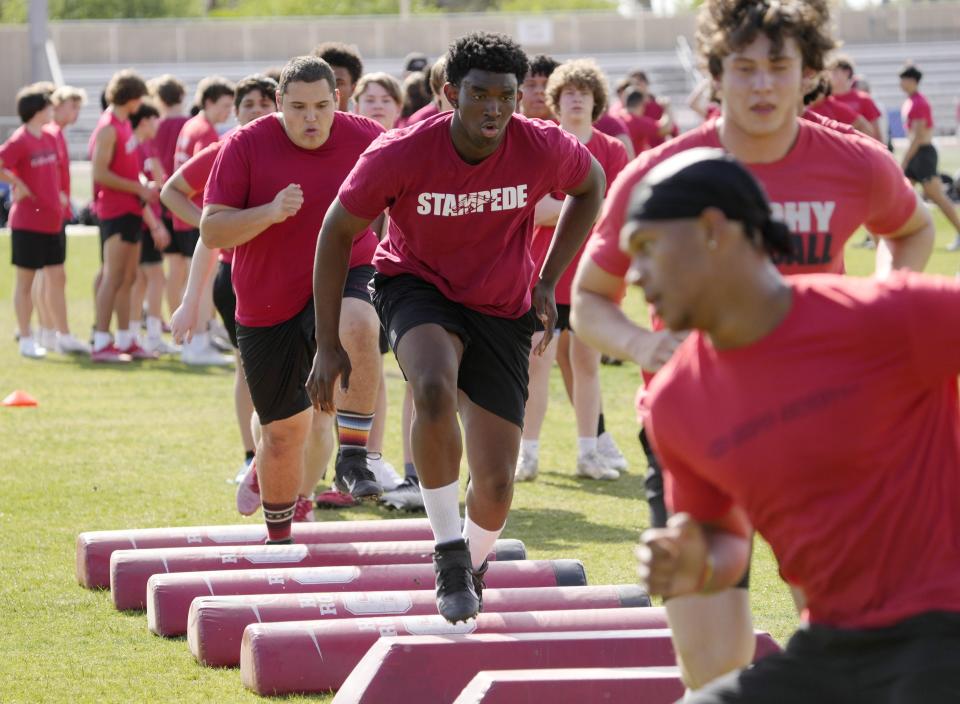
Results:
<point x="879" y="64"/>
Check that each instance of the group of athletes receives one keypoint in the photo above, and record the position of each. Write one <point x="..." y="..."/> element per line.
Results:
<point x="780" y="396"/>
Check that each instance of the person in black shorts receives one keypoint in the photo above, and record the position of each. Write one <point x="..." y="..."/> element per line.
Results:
<point x="453" y="289"/>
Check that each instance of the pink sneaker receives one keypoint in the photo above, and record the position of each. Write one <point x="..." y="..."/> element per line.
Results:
<point x="304" y="511"/>
<point x="110" y="355"/>
<point x="335" y="499"/>
<point x="248" y="491"/>
<point x="137" y="352"/>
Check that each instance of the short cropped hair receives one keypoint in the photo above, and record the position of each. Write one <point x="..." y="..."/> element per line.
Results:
<point x="486" y="51"/>
<point x="306" y="69"/>
<point x="212" y="88"/>
<point x="167" y="89"/>
<point x="582" y="74"/>
<point x="911" y="71"/>
<point x="31" y="100"/>
<point x="726" y="26"/>
<point x="633" y="97"/>
<point x="543" y="65"/>
<point x="146" y="110"/>
<point x="257" y="81"/>
<point x="343" y="56"/>
<point x="125" y="86"/>
<point x="385" y="81"/>
<point x="65" y="93"/>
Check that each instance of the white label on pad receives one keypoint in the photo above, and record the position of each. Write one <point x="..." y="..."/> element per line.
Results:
<point x="374" y="603"/>
<point x="437" y="626"/>
<point x="277" y="555"/>
<point x="327" y="575"/>
<point x="247" y="535"/>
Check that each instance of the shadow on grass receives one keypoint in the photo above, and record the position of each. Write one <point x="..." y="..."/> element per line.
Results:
<point x="554" y="529"/>
<point x="164" y="364"/>
<point x="629" y="486"/>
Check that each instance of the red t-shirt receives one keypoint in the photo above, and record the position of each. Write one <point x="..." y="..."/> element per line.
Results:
<point x="34" y="160"/>
<point x="273" y="272"/>
<point x="427" y="111"/>
<point x="916" y="108"/>
<point x="124" y="163"/>
<point x="861" y="103"/>
<point x="819" y="119"/>
<point x="839" y="439"/>
<point x="644" y="132"/>
<point x="654" y="110"/>
<point x="63" y="161"/>
<point x="465" y="228"/>
<point x="611" y="125"/>
<point x="165" y="143"/>
<point x="196" y="172"/>
<point x="196" y="133"/>
<point x="835" y="110"/>
<point x="612" y="157"/>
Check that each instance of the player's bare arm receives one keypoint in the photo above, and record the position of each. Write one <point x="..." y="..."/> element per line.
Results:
<point x="910" y="246"/>
<point x="103" y="148"/>
<point x="223" y="226"/>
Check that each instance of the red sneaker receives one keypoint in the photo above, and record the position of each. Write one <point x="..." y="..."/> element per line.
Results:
<point x="304" y="511"/>
<point x="110" y="355"/>
<point x="335" y="499"/>
<point x="137" y="352"/>
<point x="248" y="491"/>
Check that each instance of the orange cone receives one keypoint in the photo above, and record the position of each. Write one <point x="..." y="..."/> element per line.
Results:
<point x="19" y="398"/>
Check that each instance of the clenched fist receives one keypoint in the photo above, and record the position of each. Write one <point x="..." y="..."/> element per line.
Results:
<point x="287" y="202"/>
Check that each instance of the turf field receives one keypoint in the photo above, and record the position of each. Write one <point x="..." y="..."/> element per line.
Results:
<point x="154" y="445"/>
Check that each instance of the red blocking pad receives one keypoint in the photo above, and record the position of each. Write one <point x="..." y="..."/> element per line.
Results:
<point x="438" y="668"/>
<point x="316" y="656"/>
<point x="215" y="624"/>
<point x="95" y="547"/>
<point x="649" y="685"/>
<point x="130" y="569"/>
<point x="169" y="595"/>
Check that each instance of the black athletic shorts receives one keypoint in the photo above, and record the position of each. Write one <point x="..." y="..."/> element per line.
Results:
<point x="183" y="242"/>
<point x="915" y="661"/>
<point x="35" y="250"/>
<point x="225" y="300"/>
<point x="149" y="254"/>
<point x="563" y="320"/>
<point x="494" y="370"/>
<point x="923" y="165"/>
<point x="129" y="227"/>
<point x="384" y="342"/>
<point x="277" y="359"/>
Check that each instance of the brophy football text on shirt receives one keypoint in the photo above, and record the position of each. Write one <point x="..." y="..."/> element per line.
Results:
<point x="465" y="228"/>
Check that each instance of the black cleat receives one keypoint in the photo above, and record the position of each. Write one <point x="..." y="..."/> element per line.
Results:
<point x="457" y="598"/>
<point x="283" y="541"/>
<point x="478" y="584"/>
<point x="354" y="477"/>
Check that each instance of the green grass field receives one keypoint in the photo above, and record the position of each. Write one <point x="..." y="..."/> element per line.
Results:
<point x="153" y="445"/>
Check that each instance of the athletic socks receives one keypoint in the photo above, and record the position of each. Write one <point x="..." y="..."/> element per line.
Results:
<point x="530" y="448"/>
<point x="480" y="540"/>
<point x="279" y="518"/>
<point x="409" y="470"/>
<point x="135" y="327"/>
<point x="100" y="340"/>
<point x="601" y="426"/>
<point x="124" y="339"/>
<point x="154" y="327"/>
<point x="443" y="511"/>
<point x="586" y="445"/>
<point x="353" y="429"/>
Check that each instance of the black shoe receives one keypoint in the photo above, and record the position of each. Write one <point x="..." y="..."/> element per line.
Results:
<point x="457" y="598"/>
<point x="478" y="584"/>
<point x="284" y="541"/>
<point x="354" y="477"/>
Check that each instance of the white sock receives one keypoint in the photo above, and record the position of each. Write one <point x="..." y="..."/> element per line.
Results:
<point x="100" y="340"/>
<point x="443" y="511"/>
<point x="480" y="539"/>
<point x="154" y="327"/>
<point x="124" y="339"/>
<point x="201" y="341"/>
<point x="135" y="327"/>
<point x="587" y="445"/>
<point x="530" y="448"/>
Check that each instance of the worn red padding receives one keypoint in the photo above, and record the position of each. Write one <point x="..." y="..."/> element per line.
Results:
<point x="438" y="668"/>
<point x="169" y="595"/>
<point x="625" y="685"/>
<point x="95" y="547"/>
<point x="316" y="656"/>
<point x="215" y="623"/>
<point x="130" y="569"/>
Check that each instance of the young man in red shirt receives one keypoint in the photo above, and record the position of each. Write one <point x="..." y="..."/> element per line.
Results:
<point x="577" y="95"/>
<point x="29" y="163"/>
<point x="347" y="67"/>
<point x="842" y="73"/>
<point x="255" y="97"/>
<point x="534" y="88"/>
<point x="119" y="197"/>
<point x="463" y="346"/>
<point x="759" y="420"/>
<point x="920" y="160"/>
<point x="824" y="185"/>
<point x="270" y="186"/>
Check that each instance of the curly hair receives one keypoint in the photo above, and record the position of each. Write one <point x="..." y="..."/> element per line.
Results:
<point x="725" y="26"/>
<point x="343" y="56"/>
<point x="124" y="87"/>
<point x="582" y="74"/>
<point x="543" y="65"/>
<point x="486" y="51"/>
